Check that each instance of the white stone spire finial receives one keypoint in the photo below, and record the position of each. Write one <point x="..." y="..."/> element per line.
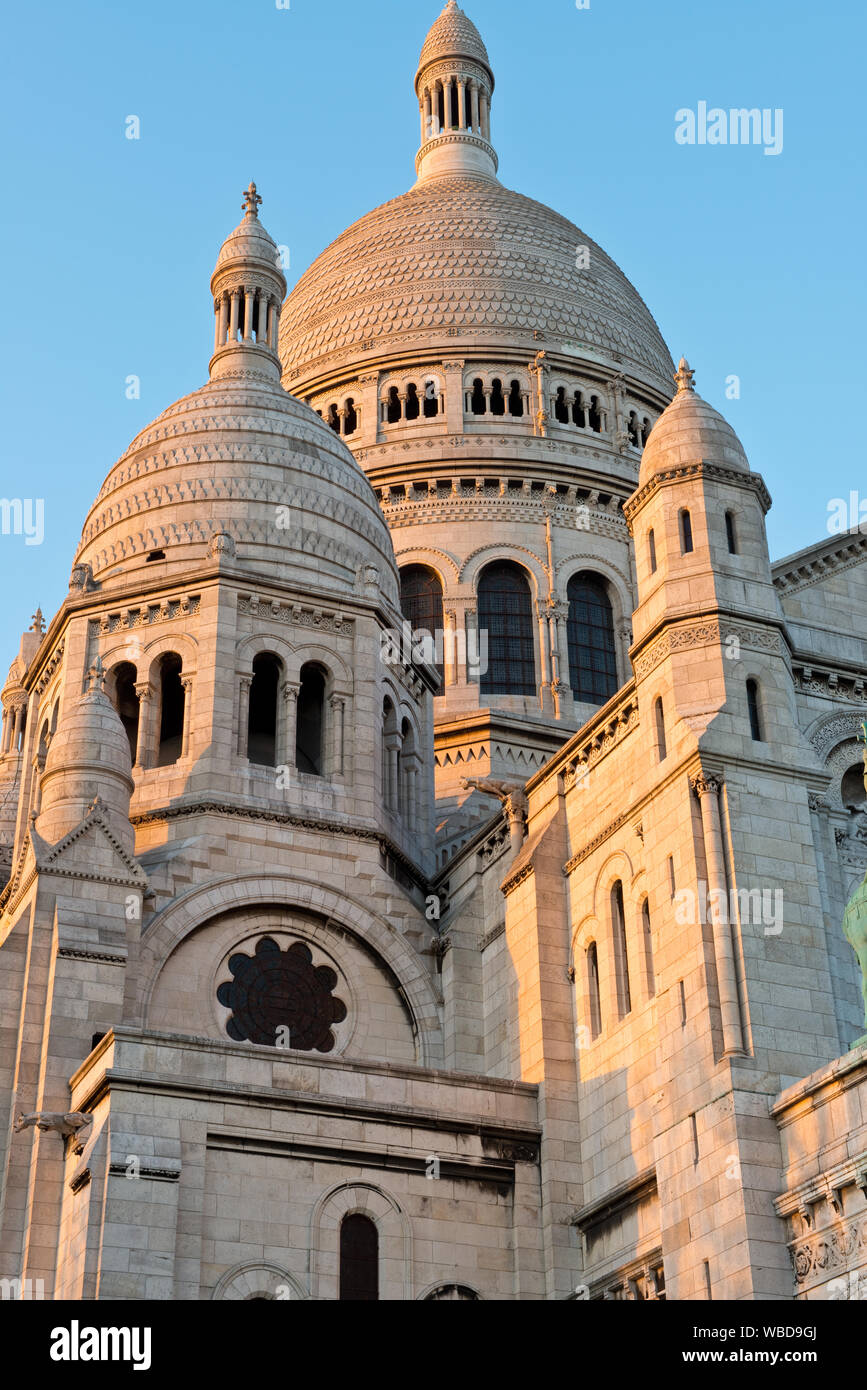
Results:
<point x="96" y="676"/>
<point x="38" y="621"/>
<point x="684" y="375"/>
<point x="252" y="202"/>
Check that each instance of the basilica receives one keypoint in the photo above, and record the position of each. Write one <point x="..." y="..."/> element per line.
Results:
<point x="506" y="962"/>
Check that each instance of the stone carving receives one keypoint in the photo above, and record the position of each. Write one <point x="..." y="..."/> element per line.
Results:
<point x="64" y="1123"/>
<point x="855" y="916"/>
<point x="221" y="544"/>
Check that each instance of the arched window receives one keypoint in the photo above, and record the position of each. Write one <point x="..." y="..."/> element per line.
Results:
<point x="595" y="415"/>
<point x="561" y="409"/>
<point x="392" y="409"/>
<point x="516" y="400"/>
<point x="390" y="756"/>
<point x="172" y="698"/>
<point x="632" y="428"/>
<point x="262" y="715"/>
<point x="506" y="616"/>
<point x="755" y="711"/>
<point x="413" y="405"/>
<point x="310" y="721"/>
<point x="731" y="535"/>
<point x="590" y="639"/>
<point x="359" y="1259"/>
<point x="645" y="430"/>
<point x="659" y="724"/>
<point x="334" y="418"/>
<point x="406" y="771"/>
<point x="852" y="789"/>
<point x="431" y="399"/>
<point x="126" y="702"/>
<point x="621" y="958"/>
<point x="593" y="992"/>
<point x="478" y="404"/>
<point x="647" y="936"/>
<point x="421" y="600"/>
<point x="498" y="400"/>
<point x="351" y="421"/>
<point x="651" y="550"/>
<point x="685" y="531"/>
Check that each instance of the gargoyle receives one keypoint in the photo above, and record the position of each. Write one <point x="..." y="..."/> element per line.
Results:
<point x="63" y="1123"/>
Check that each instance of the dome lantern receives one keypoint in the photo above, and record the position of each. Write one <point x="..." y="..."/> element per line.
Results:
<point x="248" y="286"/>
<point x="454" y="85"/>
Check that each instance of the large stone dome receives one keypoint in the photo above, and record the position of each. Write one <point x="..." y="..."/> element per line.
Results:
<point x="463" y="255"/>
<point x="239" y="469"/>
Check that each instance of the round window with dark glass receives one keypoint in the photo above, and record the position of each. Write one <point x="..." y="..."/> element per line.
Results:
<point x="279" y="998"/>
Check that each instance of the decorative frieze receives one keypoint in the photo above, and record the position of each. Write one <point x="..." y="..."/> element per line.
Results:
<point x="144" y="615"/>
<point x="296" y="614"/>
<point x="709" y="632"/>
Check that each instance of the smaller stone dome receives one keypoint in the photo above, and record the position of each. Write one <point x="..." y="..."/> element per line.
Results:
<point x="690" y="431"/>
<point x="249" y="241"/>
<point x="88" y="757"/>
<point x="454" y="35"/>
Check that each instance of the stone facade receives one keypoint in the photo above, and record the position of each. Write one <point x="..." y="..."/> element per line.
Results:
<point x="547" y="985"/>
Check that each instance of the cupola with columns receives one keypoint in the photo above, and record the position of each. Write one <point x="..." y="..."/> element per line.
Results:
<point x="248" y="286"/>
<point x="454" y="85"/>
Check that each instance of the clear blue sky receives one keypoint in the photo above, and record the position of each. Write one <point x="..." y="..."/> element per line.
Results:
<point x="752" y="265"/>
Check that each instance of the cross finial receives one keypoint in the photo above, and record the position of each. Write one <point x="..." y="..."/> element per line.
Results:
<point x="96" y="675"/>
<point x="684" y="375"/>
<point x="251" y="200"/>
<point x="38" y="621"/>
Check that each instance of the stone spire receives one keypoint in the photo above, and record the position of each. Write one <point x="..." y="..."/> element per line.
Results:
<point x="684" y="376"/>
<point x="248" y="286"/>
<point x="454" y="85"/>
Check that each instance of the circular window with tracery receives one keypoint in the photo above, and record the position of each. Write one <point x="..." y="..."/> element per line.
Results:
<point x="279" y="998"/>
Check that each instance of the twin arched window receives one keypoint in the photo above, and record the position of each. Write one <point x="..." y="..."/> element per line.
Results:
<point x="161" y="742"/>
<point x="590" y="636"/>
<point x="264" y="735"/>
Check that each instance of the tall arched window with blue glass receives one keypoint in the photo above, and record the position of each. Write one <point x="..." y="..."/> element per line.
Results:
<point x="590" y="638"/>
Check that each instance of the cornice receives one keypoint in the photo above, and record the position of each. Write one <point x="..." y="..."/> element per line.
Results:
<point x="752" y="482"/>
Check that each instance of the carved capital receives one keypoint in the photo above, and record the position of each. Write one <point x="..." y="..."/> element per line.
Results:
<point x="706" y="784"/>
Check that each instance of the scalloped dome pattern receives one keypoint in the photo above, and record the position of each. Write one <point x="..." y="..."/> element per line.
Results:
<point x="453" y="35"/>
<point x="248" y="242"/>
<point x="224" y="459"/>
<point x="466" y="253"/>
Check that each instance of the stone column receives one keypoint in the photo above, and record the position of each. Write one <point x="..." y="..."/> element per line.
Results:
<point x="707" y="789"/>
<point x="472" y="653"/>
<point x="450" y="655"/>
<point x="474" y="99"/>
<point x="447" y="102"/>
<point x="263" y="332"/>
<point x="233" y="322"/>
<point x="145" y="693"/>
<point x="187" y="683"/>
<point x="462" y="104"/>
<point x="485" y="115"/>
<point x="7" y="732"/>
<point x="392" y="748"/>
<point x="243" y="713"/>
<point x="454" y="393"/>
<point x="338" y="733"/>
<point x="223" y="321"/>
<point x="249" y="296"/>
<point x="287" y="717"/>
<point x="423" y="113"/>
<point x="435" y="111"/>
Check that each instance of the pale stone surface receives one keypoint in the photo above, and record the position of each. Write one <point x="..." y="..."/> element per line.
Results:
<point x="528" y="1096"/>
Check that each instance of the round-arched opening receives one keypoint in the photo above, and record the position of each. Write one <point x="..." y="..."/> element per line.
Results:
<point x="852" y="789"/>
